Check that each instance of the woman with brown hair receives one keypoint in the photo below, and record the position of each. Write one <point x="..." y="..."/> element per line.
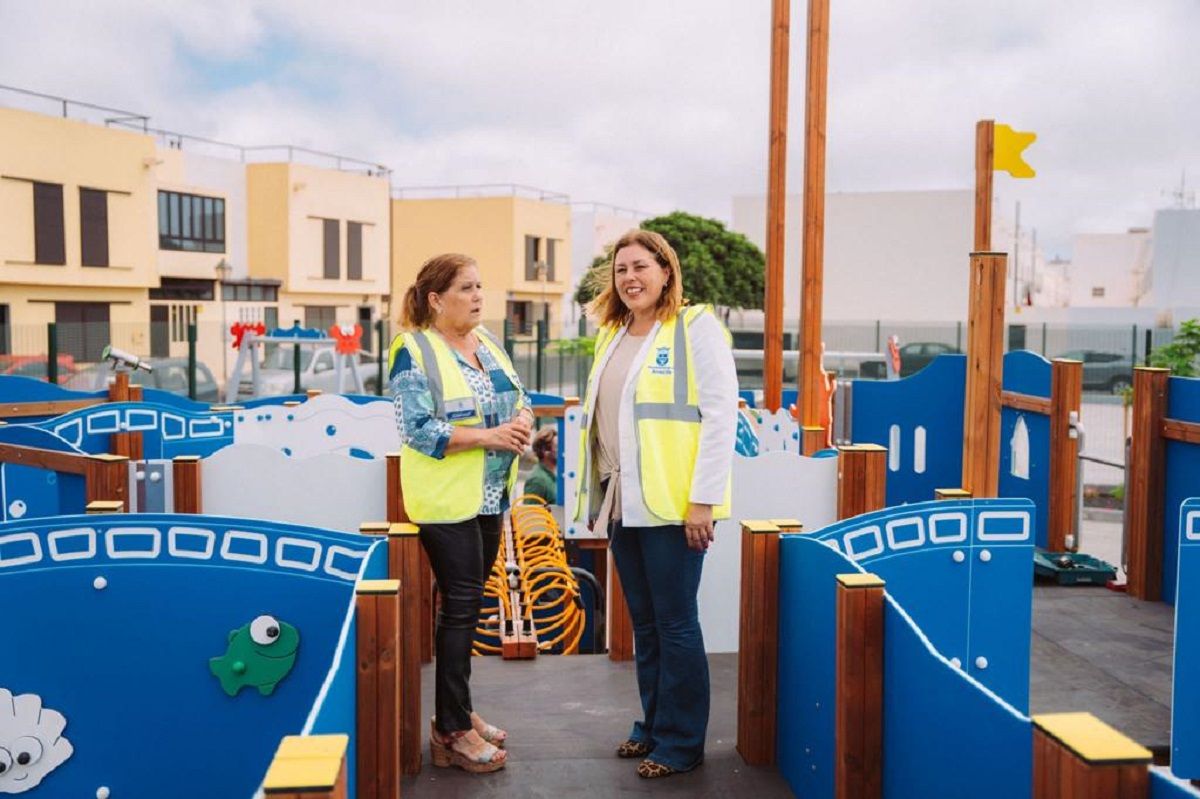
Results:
<point x="463" y="418"/>
<point x="660" y="420"/>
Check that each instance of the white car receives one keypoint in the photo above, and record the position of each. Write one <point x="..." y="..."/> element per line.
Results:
<point x="317" y="371"/>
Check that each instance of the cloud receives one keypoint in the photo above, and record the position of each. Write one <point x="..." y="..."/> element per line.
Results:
<point x="656" y="105"/>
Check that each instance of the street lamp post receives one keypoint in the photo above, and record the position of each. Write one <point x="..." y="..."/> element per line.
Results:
<point x="223" y="270"/>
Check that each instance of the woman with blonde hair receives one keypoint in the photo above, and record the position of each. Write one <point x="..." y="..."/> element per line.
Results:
<point x="463" y="418"/>
<point x="657" y="448"/>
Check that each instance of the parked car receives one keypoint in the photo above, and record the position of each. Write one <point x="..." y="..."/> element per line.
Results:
<point x="916" y="355"/>
<point x="170" y="374"/>
<point x="35" y="366"/>
<point x="317" y="371"/>
<point x="1103" y="371"/>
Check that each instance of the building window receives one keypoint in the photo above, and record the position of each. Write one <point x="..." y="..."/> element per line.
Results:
<point x="520" y="317"/>
<point x="83" y="329"/>
<point x="1097" y="291"/>
<point x="551" y="251"/>
<point x="533" y="246"/>
<point x="332" y="250"/>
<point x="93" y="227"/>
<point x="322" y="317"/>
<point x="354" y="250"/>
<point x="182" y="316"/>
<point x="190" y="222"/>
<point x="49" y="245"/>
<point x="5" y="331"/>
<point x="183" y="288"/>
<point x="250" y="291"/>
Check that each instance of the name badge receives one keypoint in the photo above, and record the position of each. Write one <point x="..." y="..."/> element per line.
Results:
<point x="460" y="409"/>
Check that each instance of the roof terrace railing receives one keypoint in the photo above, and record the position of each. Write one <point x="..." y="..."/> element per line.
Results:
<point x="479" y="190"/>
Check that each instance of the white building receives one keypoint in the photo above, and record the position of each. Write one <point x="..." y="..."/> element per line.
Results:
<point x="1108" y="270"/>
<point x="891" y="255"/>
<point x="1173" y="284"/>
<point x="594" y="227"/>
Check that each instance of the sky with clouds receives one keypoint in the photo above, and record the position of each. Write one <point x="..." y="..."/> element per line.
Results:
<point x="655" y="104"/>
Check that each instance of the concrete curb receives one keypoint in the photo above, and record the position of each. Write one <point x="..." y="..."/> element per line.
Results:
<point x="1111" y="515"/>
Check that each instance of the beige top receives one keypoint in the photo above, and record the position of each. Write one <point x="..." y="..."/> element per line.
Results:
<point x="607" y="424"/>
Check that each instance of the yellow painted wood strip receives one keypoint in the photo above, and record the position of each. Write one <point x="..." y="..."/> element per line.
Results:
<point x="301" y="746"/>
<point x="1091" y="739"/>
<point x="859" y="580"/>
<point x="376" y="528"/>
<point x="403" y="528"/>
<point x="302" y="774"/>
<point x="105" y="506"/>
<point x="787" y="525"/>
<point x="759" y="526"/>
<point x="378" y="587"/>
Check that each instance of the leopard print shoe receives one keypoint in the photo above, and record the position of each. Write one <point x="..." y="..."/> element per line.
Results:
<point x="632" y="749"/>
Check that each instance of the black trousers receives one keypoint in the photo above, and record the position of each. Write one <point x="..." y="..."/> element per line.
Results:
<point x="461" y="555"/>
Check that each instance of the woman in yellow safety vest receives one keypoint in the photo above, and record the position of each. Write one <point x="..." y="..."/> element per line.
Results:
<point x="658" y="440"/>
<point x="463" y="418"/>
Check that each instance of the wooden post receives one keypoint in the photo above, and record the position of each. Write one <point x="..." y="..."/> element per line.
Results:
<point x="1077" y="755"/>
<point x="758" y="642"/>
<point x="397" y="513"/>
<point x="405" y="556"/>
<point x="862" y="476"/>
<point x="812" y="438"/>
<point x="308" y="767"/>
<point x="776" y="202"/>
<point x="107" y="477"/>
<point x="858" y="738"/>
<point x="984" y="174"/>
<point x="125" y="443"/>
<point x="1146" y="481"/>
<point x="985" y="353"/>
<point x="312" y="392"/>
<point x="377" y="614"/>
<point x="812" y="379"/>
<point x="188" y="490"/>
<point x="1066" y="396"/>
<point x="620" y="623"/>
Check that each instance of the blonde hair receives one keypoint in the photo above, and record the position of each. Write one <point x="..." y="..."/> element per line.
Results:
<point x="436" y="276"/>
<point x="607" y="308"/>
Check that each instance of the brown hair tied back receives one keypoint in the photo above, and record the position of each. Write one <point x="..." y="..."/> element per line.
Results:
<point x="436" y="276"/>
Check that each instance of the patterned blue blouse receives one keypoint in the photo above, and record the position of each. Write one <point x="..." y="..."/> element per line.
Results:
<point x="421" y="430"/>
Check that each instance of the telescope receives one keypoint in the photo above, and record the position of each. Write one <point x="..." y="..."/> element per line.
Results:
<point x="121" y="358"/>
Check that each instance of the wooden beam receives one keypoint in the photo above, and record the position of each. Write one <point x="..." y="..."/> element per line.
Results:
<point x="862" y="475"/>
<point x="758" y="643"/>
<point x="985" y="354"/>
<point x="776" y="203"/>
<point x="1077" y="755"/>
<point x="620" y="623"/>
<point x="1066" y="397"/>
<point x="107" y="477"/>
<point x="404" y="564"/>
<point x="1025" y="402"/>
<point x="1146" y="481"/>
<point x="187" y="491"/>
<point x="69" y="462"/>
<point x="812" y="379"/>
<point x="858" y="696"/>
<point x="377" y="744"/>
<point x="984" y="174"/>
<point x="1175" y="430"/>
<point x="13" y="410"/>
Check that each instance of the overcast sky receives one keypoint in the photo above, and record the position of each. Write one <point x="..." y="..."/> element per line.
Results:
<point x="652" y="104"/>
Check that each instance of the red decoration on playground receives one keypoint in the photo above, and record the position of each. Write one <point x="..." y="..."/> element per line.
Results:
<point x="239" y="330"/>
<point x="349" y="339"/>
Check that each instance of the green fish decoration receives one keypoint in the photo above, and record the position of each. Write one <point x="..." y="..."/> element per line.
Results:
<point x="260" y="654"/>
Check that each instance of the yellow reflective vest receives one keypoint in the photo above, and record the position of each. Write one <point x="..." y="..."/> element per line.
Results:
<point x="666" y="412"/>
<point x="448" y="489"/>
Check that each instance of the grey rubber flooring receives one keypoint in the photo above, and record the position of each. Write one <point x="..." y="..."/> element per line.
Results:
<point x="566" y="716"/>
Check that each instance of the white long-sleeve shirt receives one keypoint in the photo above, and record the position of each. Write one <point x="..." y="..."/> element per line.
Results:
<point x="717" y="390"/>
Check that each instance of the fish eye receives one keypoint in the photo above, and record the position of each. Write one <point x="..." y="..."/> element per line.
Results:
<point x="28" y="750"/>
<point x="264" y="630"/>
<point x="6" y="761"/>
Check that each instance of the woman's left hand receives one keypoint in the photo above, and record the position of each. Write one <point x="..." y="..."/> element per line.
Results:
<point x="698" y="526"/>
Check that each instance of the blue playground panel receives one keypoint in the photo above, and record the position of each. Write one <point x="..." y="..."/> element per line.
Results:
<point x="127" y="662"/>
<point x="944" y="734"/>
<point x="28" y="492"/>
<point x="1182" y="475"/>
<point x="1185" y="698"/>
<point x="931" y="400"/>
<point x="1027" y="373"/>
<point x="964" y="570"/>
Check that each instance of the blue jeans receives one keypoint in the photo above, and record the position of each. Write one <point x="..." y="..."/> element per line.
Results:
<point x="660" y="576"/>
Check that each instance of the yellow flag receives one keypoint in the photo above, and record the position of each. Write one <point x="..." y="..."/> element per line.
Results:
<point x="1007" y="146"/>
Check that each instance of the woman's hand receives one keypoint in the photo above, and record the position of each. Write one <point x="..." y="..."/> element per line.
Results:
<point x="698" y="526"/>
<point x="509" y="437"/>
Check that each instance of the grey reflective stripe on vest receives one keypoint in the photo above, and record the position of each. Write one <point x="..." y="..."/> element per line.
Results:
<point x="681" y="361"/>
<point x="668" y="411"/>
<point x="433" y="372"/>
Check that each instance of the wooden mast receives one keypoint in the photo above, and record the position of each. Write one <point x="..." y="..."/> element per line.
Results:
<point x="776" y="200"/>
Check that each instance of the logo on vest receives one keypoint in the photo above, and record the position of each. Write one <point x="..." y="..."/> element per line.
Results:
<point x="662" y="362"/>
